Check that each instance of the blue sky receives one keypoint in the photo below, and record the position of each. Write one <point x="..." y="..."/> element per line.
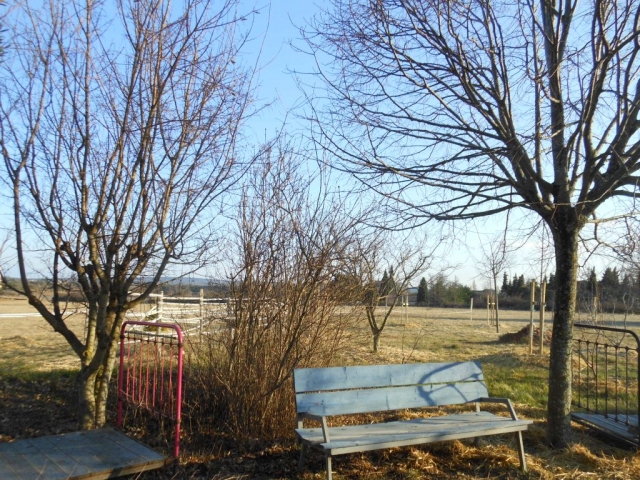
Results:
<point x="274" y="29"/>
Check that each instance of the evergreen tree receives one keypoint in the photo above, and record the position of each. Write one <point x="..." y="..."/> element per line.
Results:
<point x="629" y="291"/>
<point x="391" y="284"/>
<point x="629" y="284"/>
<point x="384" y="283"/>
<point x="592" y="283"/>
<point x="610" y="284"/>
<point x="551" y="291"/>
<point x="610" y="278"/>
<point x="505" y="284"/>
<point x="438" y="291"/>
<point x="422" y="292"/>
<point x="392" y="280"/>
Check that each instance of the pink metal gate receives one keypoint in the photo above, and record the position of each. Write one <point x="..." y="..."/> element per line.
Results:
<point x="150" y="373"/>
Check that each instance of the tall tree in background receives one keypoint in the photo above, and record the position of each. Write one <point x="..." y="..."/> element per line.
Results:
<point x="458" y="110"/>
<point x="388" y="285"/>
<point x="592" y="283"/>
<point x="421" y="298"/>
<point x="384" y="284"/>
<point x="506" y="286"/>
<point x="114" y="152"/>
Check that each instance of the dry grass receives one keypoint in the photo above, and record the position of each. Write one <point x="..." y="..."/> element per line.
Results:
<point x="426" y="335"/>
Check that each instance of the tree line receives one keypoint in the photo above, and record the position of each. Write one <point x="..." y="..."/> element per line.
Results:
<point x="611" y="291"/>
<point x="438" y="291"/>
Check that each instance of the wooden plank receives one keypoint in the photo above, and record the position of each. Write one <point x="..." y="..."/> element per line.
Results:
<point x="608" y="425"/>
<point x="68" y="464"/>
<point x="390" y="398"/>
<point x="480" y="420"/>
<point x="341" y="450"/>
<point x="7" y="472"/>
<point x="101" y="457"/>
<point x="26" y="459"/>
<point x="107" y="457"/>
<point x="96" y="454"/>
<point x="72" y="439"/>
<point x="21" y="446"/>
<point x="45" y="466"/>
<point x="13" y="466"/>
<point x="337" y="378"/>
<point x="137" y="448"/>
<point x="352" y="438"/>
<point x="46" y="450"/>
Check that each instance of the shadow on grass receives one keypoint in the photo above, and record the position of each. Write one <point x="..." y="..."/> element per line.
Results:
<point x="37" y="404"/>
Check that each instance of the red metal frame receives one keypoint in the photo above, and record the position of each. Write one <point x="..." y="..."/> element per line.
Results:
<point x="150" y="372"/>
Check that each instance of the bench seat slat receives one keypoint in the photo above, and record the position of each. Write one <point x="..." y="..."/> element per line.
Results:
<point x="354" y="438"/>
<point x="389" y="398"/>
<point x="336" y="378"/>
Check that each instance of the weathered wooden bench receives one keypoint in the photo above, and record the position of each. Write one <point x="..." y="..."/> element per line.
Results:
<point x="324" y="392"/>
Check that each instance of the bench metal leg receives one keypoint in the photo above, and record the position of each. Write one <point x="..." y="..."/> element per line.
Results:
<point x="328" y="467"/>
<point x="303" y="448"/>
<point x="523" y="460"/>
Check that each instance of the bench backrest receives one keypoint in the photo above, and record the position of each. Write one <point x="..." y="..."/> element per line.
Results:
<point x="375" y="388"/>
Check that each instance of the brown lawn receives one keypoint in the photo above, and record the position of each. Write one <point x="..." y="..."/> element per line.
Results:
<point x="34" y="402"/>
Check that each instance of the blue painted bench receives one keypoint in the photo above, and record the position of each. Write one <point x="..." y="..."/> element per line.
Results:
<point x="324" y="392"/>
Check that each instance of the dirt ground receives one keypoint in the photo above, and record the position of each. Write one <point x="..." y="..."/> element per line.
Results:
<point x="44" y="404"/>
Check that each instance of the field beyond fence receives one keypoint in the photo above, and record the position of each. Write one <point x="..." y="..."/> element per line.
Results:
<point x="35" y="366"/>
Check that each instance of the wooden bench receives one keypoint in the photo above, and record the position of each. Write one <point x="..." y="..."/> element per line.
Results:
<point x="324" y="392"/>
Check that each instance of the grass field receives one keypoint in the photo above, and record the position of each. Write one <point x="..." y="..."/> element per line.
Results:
<point x="34" y="374"/>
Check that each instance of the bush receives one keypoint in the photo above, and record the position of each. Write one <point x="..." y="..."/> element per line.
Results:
<point x="286" y="305"/>
<point x="244" y="373"/>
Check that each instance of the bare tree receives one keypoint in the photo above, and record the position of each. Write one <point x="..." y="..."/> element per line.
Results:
<point x="625" y="247"/>
<point x="458" y="110"/>
<point x="379" y="300"/>
<point x="624" y="250"/>
<point x="291" y="247"/>
<point x="115" y="151"/>
<point x="496" y="258"/>
<point x="3" y="246"/>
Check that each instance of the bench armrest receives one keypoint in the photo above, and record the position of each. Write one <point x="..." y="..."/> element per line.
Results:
<point x="318" y="418"/>
<point x="504" y="401"/>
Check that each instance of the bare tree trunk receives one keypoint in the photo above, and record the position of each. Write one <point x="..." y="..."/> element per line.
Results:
<point x="92" y="396"/>
<point x="376" y="340"/>
<point x="559" y="403"/>
<point x="496" y="306"/>
<point x="95" y="376"/>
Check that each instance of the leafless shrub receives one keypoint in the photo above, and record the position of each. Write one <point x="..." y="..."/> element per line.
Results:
<point x="288" y="299"/>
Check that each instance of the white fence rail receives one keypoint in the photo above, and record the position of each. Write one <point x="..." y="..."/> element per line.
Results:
<point x="194" y="315"/>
